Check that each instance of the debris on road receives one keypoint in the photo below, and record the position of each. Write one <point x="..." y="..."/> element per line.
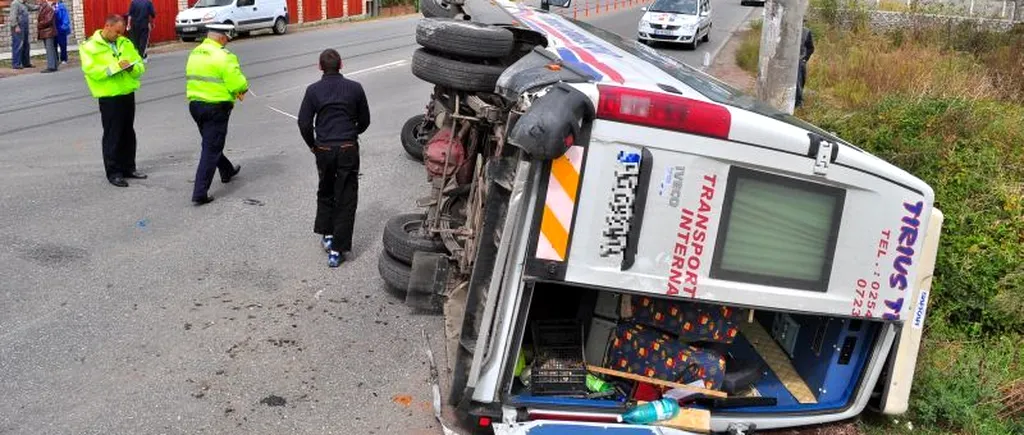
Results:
<point x="273" y="400"/>
<point x="434" y="387"/>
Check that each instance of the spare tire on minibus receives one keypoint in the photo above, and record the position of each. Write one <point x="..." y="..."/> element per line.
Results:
<point x="439" y="9"/>
<point x="464" y="38"/>
<point x="454" y="74"/>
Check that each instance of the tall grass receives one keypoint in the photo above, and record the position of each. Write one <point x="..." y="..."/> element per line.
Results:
<point x="747" y="53"/>
<point x="947" y="105"/>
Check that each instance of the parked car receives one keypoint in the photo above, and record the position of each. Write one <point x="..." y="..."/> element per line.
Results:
<point x="245" y="15"/>
<point x="752" y="2"/>
<point x="676" y="21"/>
<point x="596" y="208"/>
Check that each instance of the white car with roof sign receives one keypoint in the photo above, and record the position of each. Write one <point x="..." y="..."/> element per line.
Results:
<point x="676" y="21"/>
<point x="583" y="178"/>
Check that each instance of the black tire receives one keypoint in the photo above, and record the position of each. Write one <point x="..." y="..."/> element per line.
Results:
<point x="395" y="274"/>
<point x="454" y="74"/>
<point x="401" y="238"/>
<point x="188" y="39"/>
<point x="464" y="38"/>
<point x="707" y="36"/>
<point x="415" y="137"/>
<point x="439" y="9"/>
<point x="280" y="26"/>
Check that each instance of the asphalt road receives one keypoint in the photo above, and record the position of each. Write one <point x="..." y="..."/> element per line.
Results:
<point x="128" y="311"/>
<point x="726" y="16"/>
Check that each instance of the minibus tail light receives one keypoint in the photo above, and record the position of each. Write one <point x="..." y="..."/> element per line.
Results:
<point x="659" y="110"/>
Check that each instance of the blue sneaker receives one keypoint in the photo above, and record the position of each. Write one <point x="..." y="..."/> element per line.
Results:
<point x="334" y="259"/>
<point x="327" y="242"/>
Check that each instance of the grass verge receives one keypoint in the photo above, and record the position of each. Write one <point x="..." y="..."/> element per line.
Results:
<point x="947" y="105"/>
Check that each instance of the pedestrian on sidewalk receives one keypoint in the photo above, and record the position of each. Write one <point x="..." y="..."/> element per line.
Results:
<point x="112" y="70"/>
<point x="17" y="20"/>
<point x="806" y="50"/>
<point x="214" y="80"/>
<point x="333" y="114"/>
<point x="63" y="21"/>
<point x="46" y="31"/>
<point x="140" y="21"/>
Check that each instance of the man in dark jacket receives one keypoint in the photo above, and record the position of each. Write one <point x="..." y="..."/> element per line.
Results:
<point x="806" y="50"/>
<point x="140" y="21"/>
<point x="333" y="114"/>
<point x="46" y="31"/>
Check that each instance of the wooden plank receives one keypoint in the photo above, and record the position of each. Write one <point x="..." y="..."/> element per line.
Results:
<point x="659" y="382"/>
<point x="778" y="362"/>
<point x="688" y="419"/>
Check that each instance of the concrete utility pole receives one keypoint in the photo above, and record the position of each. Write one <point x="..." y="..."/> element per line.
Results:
<point x="780" y="53"/>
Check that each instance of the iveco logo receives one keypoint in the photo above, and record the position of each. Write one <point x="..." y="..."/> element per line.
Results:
<point x="677" y="186"/>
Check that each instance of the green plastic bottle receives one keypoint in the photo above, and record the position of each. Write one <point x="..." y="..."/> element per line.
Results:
<point x="598" y="385"/>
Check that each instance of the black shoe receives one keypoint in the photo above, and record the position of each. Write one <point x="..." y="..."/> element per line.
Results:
<point x="46" y="71"/>
<point x="118" y="181"/>
<point x="137" y="175"/>
<point x="204" y="200"/>
<point x="227" y="179"/>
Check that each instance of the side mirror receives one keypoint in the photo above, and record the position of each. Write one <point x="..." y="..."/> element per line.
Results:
<point x="705" y="13"/>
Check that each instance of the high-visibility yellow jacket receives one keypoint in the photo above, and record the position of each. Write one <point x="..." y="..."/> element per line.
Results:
<point x="213" y="75"/>
<point x="100" y="60"/>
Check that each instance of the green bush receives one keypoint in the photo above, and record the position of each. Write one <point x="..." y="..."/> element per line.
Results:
<point x="969" y="152"/>
<point x="947" y="105"/>
<point x="750" y="48"/>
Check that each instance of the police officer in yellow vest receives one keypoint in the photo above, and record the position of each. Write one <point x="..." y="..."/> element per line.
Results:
<point x="214" y="80"/>
<point x="112" y="69"/>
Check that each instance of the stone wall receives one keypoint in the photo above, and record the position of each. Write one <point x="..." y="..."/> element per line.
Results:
<point x="884" y="21"/>
<point x="887" y="20"/>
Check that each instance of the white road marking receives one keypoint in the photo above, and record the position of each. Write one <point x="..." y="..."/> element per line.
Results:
<point x="282" y="112"/>
<point x="382" y="67"/>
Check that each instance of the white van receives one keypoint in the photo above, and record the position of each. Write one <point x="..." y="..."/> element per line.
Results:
<point x="581" y="179"/>
<point x="245" y="15"/>
<point x="676" y="21"/>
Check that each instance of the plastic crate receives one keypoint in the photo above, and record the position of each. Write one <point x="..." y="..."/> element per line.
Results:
<point x="559" y="368"/>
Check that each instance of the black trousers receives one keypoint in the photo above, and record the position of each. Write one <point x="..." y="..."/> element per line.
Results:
<point x="139" y="35"/>
<point x="118" y="117"/>
<point x="212" y="120"/>
<point x="337" y="195"/>
<point x="801" y="78"/>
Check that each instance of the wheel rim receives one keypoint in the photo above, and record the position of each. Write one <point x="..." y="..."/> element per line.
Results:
<point x="422" y="134"/>
<point x="414" y="228"/>
<point x="280" y="25"/>
<point x="443" y="4"/>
